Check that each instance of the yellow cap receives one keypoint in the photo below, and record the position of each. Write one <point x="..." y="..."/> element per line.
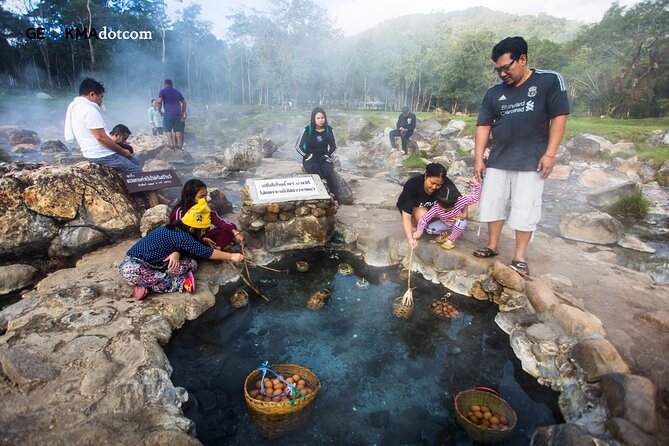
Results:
<point x="198" y="216"/>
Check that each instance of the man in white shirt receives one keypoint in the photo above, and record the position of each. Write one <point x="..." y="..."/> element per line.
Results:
<point x="84" y="122"/>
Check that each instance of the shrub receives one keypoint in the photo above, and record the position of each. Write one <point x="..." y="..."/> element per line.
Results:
<point x="414" y="161"/>
<point x="635" y="205"/>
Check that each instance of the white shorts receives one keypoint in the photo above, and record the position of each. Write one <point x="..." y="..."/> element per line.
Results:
<point x="521" y="190"/>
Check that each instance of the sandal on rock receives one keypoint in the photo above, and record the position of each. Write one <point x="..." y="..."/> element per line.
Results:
<point x="448" y="245"/>
<point x="140" y="292"/>
<point x="521" y="268"/>
<point x="441" y="239"/>
<point x="189" y="283"/>
<point x="484" y="253"/>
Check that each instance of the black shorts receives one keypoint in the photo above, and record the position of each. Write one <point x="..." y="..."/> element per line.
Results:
<point x="173" y="123"/>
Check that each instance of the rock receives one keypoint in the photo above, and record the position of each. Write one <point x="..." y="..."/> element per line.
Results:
<point x="561" y="172"/>
<point x="76" y="240"/>
<point x="54" y="146"/>
<point x="567" y="434"/>
<point x="457" y="168"/>
<point x="356" y="126"/>
<point x="218" y="201"/>
<point x="37" y="203"/>
<point x="594" y="178"/>
<point x="453" y="128"/>
<point x="577" y="323"/>
<point x="211" y="169"/>
<point x="628" y="434"/>
<point x="593" y="227"/>
<point x="345" y="192"/>
<point x="540" y="295"/>
<point x="587" y="146"/>
<point x="16" y="277"/>
<point x="631" y="397"/>
<point x="658" y="318"/>
<point x="300" y="233"/>
<point x="647" y="173"/>
<point x="658" y="197"/>
<point x="609" y="195"/>
<point x="427" y="130"/>
<point x="146" y="147"/>
<point x="24" y="137"/>
<point x="153" y="218"/>
<point x="597" y="357"/>
<point x="508" y="277"/>
<point x="631" y="242"/>
<point x="244" y="155"/>
<point x="42" y="95"/>
<point x="624" y="148"/>
<point x="24" y="148"/>
<point x="25" y="369"/>
<point x="173" y="156"/>
<point x="153" y="165"/>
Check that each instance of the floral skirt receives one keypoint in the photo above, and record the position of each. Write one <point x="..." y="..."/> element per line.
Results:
<point x="158" y="279"/>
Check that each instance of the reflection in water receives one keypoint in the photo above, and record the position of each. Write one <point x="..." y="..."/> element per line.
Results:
<point x="385" y="380"/>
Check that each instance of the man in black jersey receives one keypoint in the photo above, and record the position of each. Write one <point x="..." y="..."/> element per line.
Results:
<point x="526" y="113"/>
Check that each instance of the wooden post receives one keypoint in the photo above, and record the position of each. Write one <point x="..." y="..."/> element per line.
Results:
<point x="153" y="198"/>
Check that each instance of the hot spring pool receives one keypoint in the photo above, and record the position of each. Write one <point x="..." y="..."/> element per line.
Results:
<point x="384" y="380"/>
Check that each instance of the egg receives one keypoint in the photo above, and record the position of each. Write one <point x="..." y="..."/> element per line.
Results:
<point x="278" y="391"/>
<point x="487" y="415"/>
<point x="290" y="380"/>
<point x="475" y="407"/>
<point x="478" y="414"/>
<point x="258" y="384"/>
<point x="296" y="378"/>
<point x="474" y="420"/>
<point x="254" y="393"/>
<point x="485" y="409"/>
<point x="302" y="382"/>
<point x="504" y="420"/>
<point x="275" y="381"/>
<point x="494" y="420"/>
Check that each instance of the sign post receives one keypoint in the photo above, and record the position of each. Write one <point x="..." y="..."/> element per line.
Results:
<point x="147" y="181"/>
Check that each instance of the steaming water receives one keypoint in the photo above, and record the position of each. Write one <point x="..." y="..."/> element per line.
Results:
<point x="384" y="380"/>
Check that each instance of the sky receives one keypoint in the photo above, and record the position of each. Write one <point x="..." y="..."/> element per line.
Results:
<point x="354" y="16"/>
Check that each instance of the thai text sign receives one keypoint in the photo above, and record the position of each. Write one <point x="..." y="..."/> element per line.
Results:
<point x="308" y="187"/>
<point x="158" y="179"/>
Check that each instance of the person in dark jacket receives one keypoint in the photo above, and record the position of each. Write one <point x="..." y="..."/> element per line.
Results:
<point x="406" y="123"/>
<point x="316" y="146"/>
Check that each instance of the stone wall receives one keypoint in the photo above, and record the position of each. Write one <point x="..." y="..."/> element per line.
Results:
<point x="276" y="227"/>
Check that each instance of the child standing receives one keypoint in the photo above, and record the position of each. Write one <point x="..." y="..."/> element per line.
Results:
<point x="452" y="211"/>
<point x="154" y="262"/>
<point x="223" y="234"/>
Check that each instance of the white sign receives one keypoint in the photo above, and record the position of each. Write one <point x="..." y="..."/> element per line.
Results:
<point x="287" y="189"/>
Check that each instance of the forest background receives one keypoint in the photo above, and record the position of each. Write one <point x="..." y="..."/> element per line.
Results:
<point x="617" y="67"/>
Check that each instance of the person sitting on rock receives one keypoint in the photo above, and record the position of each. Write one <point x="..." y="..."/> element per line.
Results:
<point x="154" y="263"/>
<point x="406" y="123"/>
<point x="224" y="234"/>
<point x="452" y="211"/>
<point x="316" y="146"/>
<point x="120" y="134"/>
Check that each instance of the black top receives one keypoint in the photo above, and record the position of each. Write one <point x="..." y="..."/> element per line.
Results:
<point x="316" y="144"/>
<point x="413" y="195"/>
<point x="520" y="117"/>
<point x="407" y="121"/>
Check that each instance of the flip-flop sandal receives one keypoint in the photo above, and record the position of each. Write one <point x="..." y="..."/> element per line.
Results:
<point x="521" y="268"/>
<point x="484" y="253"/>
<point x="140" y="292"/>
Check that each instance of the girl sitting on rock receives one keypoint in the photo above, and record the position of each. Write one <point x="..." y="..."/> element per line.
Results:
<point x="154" y="263"/>
<point x="452" y="211"/>
<point x="224" y="233"/>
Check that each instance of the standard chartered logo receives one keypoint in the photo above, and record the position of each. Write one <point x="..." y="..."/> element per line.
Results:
<point x="529" y="106"/>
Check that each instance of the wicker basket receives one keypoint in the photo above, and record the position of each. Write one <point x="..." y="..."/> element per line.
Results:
<point x="274" y="419"/>
<point x="487" y="397"/>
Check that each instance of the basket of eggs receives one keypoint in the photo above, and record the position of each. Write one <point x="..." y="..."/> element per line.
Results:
<point x="484" y="415"/>
<point x="279" y="397"/>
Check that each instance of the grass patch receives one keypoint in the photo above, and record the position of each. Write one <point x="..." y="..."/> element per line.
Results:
<point x="414" y="161"/>
<point x="636" y="131"/>
<point x="635" y="205"/>
<point x="659" y="154"/>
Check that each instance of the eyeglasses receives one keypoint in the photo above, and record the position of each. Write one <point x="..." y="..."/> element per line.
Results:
<point x="505" y="68"/>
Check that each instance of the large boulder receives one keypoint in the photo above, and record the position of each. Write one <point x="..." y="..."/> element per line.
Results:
<point x="82" y="206"/>
<point x="357" y="126"/>
<point x="247" y="153"/>
<point x="609" y="195"/>
<point x="173" y="156"/>
<point x="53" y="146"/>
<point x="427" y="129"/>
<point x="593" y="227"/>
<point x="588" y="146"/>
<point x="16" y="277"/>
<point x="23" y="136"/>
<point x="453" y="129"/>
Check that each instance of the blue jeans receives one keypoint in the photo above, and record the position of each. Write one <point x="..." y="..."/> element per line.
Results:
<point x="118" y="162"/>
